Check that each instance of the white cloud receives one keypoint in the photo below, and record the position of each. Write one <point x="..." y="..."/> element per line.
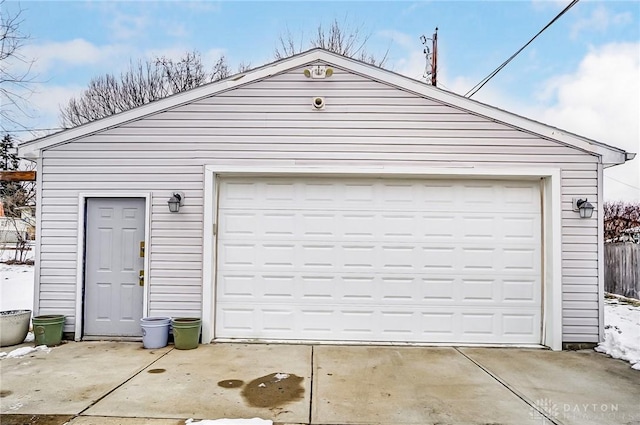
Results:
<point x="550" y="4"/>
<point x="176" y="30"/>
<point x="75" y="52"/>
<point x="42" y="110"/>
<point x="600" y="20"/>
<point x="128" y="27"/>
<point x="601" y="100"/>
<point x="50" y="98"/>
<point x="403" y="40"/>
<point x="211" y="56"/>
<point x="412" y="61"/>
<point x="203" y="6"/>
<point x="174" y="53"/>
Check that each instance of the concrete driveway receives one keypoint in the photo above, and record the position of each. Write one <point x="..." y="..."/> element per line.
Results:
<point x="122" y="383"/>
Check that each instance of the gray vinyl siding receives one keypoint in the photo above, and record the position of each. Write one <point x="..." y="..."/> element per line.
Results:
<point x="272" y="122"/>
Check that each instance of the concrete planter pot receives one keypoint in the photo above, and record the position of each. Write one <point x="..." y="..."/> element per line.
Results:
<point x="14" y="326"/>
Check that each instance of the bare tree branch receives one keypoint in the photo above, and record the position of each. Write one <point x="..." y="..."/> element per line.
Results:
<point x="620" y="216"/>
<point x="15" y="69"/>
<point x="18" y="199"/>
<point x="339" y="38"/>
<point x="141" y="83"/>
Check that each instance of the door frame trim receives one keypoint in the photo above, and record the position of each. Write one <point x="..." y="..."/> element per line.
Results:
<point x="551" y="217"/>
<point x="81" y="244"/>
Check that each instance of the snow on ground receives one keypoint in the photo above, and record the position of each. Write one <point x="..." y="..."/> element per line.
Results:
<point x="621" y="331"/>
<point x="24" y="351"/>
<point x="16" y="287"/>
<point x="622" y="319"/>
<point x="254" y="421"/>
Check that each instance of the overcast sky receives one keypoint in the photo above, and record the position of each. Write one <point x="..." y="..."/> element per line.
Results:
<point x="582" y="74"/>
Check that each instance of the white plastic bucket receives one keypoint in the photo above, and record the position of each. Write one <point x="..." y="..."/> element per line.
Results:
<point x="155" y="331"/>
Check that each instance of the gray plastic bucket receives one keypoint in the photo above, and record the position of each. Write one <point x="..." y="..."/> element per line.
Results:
<point x="155" y="331"/>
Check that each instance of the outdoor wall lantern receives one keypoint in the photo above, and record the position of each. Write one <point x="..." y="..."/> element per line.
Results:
<point x="583" y="206"/>
<point x="176" y="201"/>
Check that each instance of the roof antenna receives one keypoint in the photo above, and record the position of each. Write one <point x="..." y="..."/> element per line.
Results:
<point x="431" y="55"/>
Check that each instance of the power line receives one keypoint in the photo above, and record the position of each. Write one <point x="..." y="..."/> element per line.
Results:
<point x="621" y="182"/>
<point x="486" y="79"/>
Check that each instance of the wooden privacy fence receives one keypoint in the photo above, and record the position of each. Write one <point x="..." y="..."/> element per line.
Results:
<point x="622" y="269"/>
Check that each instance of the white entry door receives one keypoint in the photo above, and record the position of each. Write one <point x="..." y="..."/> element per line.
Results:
<point x="393" y="260"/>
<point x="113" y="296"/>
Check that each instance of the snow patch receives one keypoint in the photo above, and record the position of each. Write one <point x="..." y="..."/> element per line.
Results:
<point x="281" y="376"/>
<point x="254" y="421"/>
<point x="16" y="285"/>
<point x="24" y="351"/>
<point x="621" y="332"/>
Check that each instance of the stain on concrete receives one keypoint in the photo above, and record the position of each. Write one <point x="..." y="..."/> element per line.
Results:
<point x="231" y="383"/>
<point x="273" y="390"/>
<point x="5" y="393"/>
<point x="156" y="370"/>
<point x="35" y="419"/>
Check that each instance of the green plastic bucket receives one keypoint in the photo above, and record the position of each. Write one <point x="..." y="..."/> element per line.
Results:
<point x="186" y="332"/>
<point x="47" y="329"/>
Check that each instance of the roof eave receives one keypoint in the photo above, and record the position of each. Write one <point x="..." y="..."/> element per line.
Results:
<point x="609" y="156"/>
<point x="31" y="149"/>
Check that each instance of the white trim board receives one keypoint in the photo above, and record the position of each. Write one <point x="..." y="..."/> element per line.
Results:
<point x="552" y="216"/>
<point x="600" y="255"/>
<point x="609" y="155"/>
<point x="82" y="198"/>
<point x="38" y="244"/>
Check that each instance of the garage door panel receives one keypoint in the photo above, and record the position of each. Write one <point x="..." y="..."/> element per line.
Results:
<point x="375" y="323"/>
<point x="479" y="227"/>
<point x="379" y="195"/>
<point x="329" y="289"/>
<point x="479" y="290"/>
<point x="520" y="291"/>
<point x="347" y="226"/>
<point x="240" y="223"/>
<point x="379" y="260"/>
<point x="437" y="228"/>
<point x="275" y="225"/>
<point x="522" y="259"/>
<point x="279" y="256"/>
<point x="522" y="229"/>
<point x="345" y="257"/>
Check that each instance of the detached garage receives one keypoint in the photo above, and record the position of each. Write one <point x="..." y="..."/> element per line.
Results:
<point x="351" y="206"/>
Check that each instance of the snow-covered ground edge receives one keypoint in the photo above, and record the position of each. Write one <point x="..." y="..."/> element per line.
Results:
<point x="16" y="287"/>
<point x="24" y="351"/>
<point x="621" y="315"/>
<point x="621" y="330"/>
<point x="254" y="421"/>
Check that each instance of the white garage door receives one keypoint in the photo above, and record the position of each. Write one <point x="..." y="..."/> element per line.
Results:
<point x="452" y="261"/>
